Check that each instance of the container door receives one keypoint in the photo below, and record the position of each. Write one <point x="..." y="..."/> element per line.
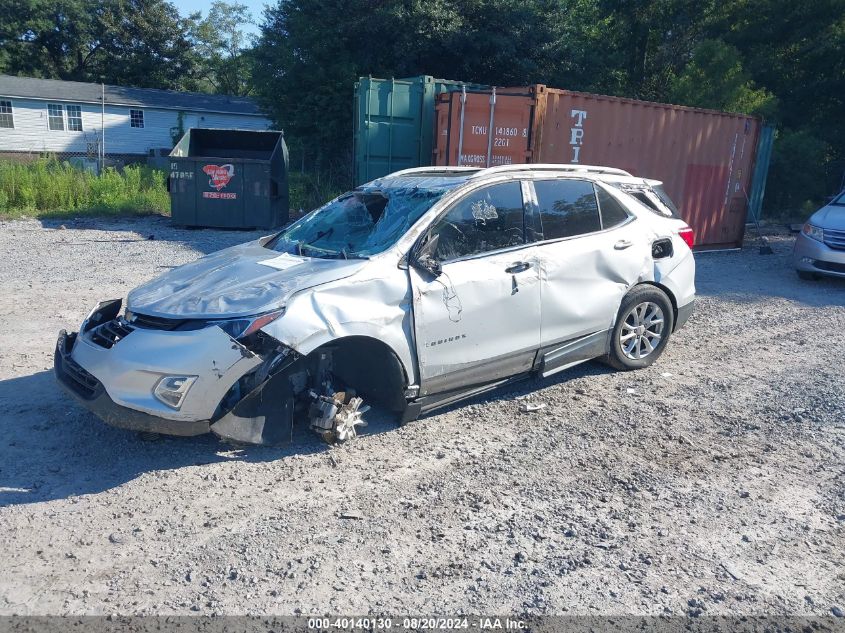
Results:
<point x="220" y="193"/>
<point x="388" y="126"/>
<point x="703" y="203"/>
<point x="484" y="129"/>
<point x="479" y="320"/>
<point x="761" y="171"/>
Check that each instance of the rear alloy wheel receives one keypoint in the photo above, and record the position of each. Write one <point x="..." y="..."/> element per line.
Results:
<point x="642" y="328"/>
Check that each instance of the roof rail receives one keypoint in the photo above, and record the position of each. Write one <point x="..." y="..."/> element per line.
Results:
<point x="432" y="170"/>
<point x="593" y="169"/>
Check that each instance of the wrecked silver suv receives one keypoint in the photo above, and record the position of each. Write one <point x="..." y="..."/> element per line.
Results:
<point x="409" y="293"/>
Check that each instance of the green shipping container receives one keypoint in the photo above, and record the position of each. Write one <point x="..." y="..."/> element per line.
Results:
<point x="394" y="123"/>
<point x="234" y="179"/>
<point x="761" y="172"/>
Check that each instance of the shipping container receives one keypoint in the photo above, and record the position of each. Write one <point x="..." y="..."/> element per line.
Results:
<point x="484" y="129"/>
<point x="394" y="123"/>
<point x="705" y="158"/>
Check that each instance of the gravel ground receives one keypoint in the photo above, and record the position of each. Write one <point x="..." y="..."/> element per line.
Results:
<point x="710" y="483"/>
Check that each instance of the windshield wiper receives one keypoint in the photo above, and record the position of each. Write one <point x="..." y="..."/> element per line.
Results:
<point x="320" y="235"/>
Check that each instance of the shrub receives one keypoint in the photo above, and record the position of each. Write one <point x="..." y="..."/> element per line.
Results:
<point x="48" y="187"/>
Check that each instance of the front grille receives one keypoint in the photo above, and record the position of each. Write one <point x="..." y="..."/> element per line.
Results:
<point x="155" y="323"/>
<point x="80" y="380"/>
<point x="832" y="267"/>
<point x="110" y="333"/>
<point x="835" y="239"/>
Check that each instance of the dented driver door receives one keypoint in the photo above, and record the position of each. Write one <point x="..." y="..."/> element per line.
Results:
<point x="479" y="320"/>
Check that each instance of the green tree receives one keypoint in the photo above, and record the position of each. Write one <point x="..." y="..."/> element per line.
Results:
<point x="140" y="43"/>
<point x="796" y="50"/>
<point x="714" y="78"/>
<point x="311" y="52"/>
<point x="145" y="43"/>
<point x="224" y="59"/>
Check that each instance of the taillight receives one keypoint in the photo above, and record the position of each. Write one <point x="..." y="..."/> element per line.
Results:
<point x="688" y="235"/>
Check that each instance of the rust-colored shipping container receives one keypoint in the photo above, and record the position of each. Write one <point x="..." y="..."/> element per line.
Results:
<point x="704" y="157"/>
<point x="465" y="121"/>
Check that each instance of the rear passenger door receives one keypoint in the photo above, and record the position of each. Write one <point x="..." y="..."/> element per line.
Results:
<point x="591" y="251"/>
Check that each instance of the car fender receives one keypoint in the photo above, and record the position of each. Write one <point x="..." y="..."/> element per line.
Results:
<point x="372" y="304"/>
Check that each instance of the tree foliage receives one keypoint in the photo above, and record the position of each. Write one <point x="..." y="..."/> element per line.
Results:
<point x="780" y="59"/>
<point x="714" y="78"/>
<point x="141" y="43"/>
<point x="222" y="49"/>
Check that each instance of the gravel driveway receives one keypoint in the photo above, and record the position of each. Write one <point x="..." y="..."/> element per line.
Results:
<point x="712" y="482"/>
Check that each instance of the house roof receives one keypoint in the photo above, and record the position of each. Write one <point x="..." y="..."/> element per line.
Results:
<point x="79" y="92"/>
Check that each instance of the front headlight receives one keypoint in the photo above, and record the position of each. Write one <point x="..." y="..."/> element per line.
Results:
<point x="171" y="390"/>
<point x="813" y="232"/>
<point x="241" y="328"/>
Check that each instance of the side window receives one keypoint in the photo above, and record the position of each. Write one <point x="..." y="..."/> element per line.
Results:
<point x="55" y="117"/>
<point x="136" y="118"/>
<point x="567" y="208"/>
<point x="612" y="211"/>
<point x="6" y="119"/>
<point x="486" y="220"/>
<point x="74" y="118"/>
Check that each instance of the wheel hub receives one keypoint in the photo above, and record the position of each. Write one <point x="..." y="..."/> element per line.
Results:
<point x="642" y="330"/>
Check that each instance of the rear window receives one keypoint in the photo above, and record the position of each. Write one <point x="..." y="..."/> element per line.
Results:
<point x="655" y="198"/>
<point x="665" y="199"/>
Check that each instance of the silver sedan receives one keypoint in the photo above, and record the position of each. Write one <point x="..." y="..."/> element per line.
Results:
<point x="820" y="247"/>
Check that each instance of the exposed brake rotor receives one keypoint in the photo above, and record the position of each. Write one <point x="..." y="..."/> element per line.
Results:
<point x="335" y="418"/>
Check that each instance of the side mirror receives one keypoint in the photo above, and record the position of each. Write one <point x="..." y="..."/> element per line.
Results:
<point x="422" y="256"/>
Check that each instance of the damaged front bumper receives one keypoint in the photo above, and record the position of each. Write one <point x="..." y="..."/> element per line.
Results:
<point x="112" y="369"/>
<point x="89" y="392"/>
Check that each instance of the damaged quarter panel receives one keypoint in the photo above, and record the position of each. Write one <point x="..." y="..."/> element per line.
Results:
<point x="375" y="302"/>
<point x="676" y="273"/>
<point x="130" y="370"/>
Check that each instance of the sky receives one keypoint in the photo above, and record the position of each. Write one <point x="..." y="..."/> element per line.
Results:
<point x="256" y="7"/>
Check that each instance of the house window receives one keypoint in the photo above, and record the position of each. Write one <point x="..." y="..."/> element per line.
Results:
<point x="136" y="118"/>
<point x="6" y="119"/>
<point x="74" y="118"/>
<point x="55" y="117"/>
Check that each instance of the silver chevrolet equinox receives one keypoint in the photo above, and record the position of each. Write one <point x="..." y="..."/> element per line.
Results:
<point x="408" y="293"/>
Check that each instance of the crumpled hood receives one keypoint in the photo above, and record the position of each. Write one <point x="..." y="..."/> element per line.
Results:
<point x="234" y="282"/>
<point x="830" y="217"/>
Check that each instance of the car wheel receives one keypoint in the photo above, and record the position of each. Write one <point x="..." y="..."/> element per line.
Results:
<point x="807" y="275"/>
<point x="642" y="329"/>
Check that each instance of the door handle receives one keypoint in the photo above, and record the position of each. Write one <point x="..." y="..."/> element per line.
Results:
<point x="621" y="245"/>
<point x="517" y="267"/>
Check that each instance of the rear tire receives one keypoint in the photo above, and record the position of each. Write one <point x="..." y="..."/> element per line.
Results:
<point x="643" y="327"/>
<point x="806" y="275"/>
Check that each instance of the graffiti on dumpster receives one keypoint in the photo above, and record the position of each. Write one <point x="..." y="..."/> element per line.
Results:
<point x="218" y="177"/>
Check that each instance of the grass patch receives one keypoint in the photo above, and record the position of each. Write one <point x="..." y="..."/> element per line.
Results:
<point x="48" y="188"/>
<point x="308" y="191"/>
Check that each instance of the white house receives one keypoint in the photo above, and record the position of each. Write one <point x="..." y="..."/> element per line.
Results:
<point x="70" y="117"/>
